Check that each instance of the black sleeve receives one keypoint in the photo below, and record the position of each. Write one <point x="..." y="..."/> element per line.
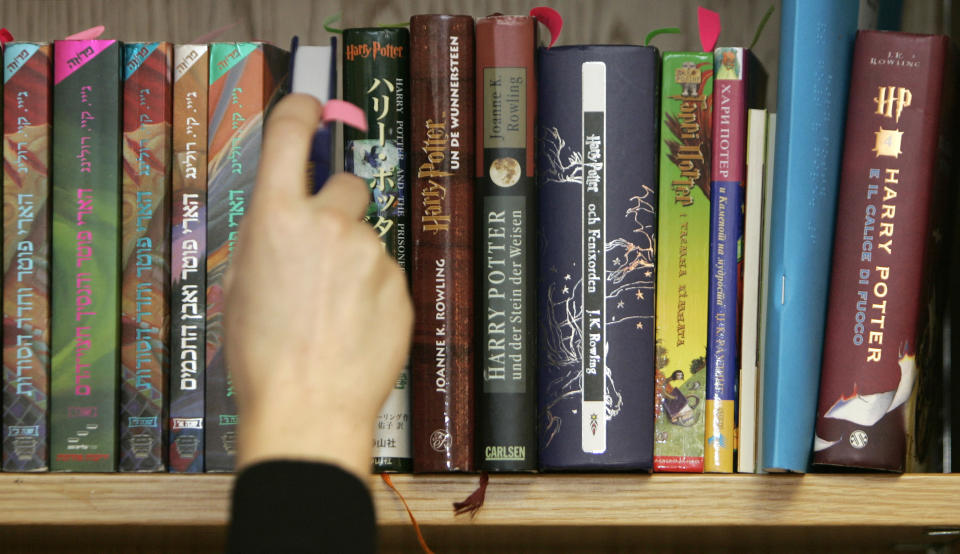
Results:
<point x="287" y="506"/>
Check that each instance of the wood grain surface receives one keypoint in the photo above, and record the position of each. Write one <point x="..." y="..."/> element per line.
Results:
<point x="577" y="513"/>
<point x="601" y="21"/>
<point x="598" y="21"/>
<point x="913" y="500"/>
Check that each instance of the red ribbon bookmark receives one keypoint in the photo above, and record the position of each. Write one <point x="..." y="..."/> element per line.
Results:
<point x="551" y="19"/>
<point x="5" y="36"/>
<point x="709" y="28"/>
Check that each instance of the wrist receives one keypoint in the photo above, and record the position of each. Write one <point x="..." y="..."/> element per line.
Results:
<point x="289" y="437"/>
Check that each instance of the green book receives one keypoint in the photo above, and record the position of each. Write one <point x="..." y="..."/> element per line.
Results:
<point x="86" y="254"/>
<point x="375" y="77"/>
<point x="683" y="256"/>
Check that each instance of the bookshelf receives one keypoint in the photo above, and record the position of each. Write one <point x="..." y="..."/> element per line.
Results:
<point x="522" y="512"/>
<point x="529" y="513"/>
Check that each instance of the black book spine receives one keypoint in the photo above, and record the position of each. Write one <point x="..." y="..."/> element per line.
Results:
<point x="506" y="104"/>
<point x="597" y="170"/>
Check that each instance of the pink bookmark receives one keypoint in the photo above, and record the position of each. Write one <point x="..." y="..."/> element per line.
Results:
<point x="346" y="113"/>
<point x="89" y="34"/>
<point x="709" y="28"/>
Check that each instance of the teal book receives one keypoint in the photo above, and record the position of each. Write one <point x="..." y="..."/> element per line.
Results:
<point x="87" y="98"/>
<point x="816" y="48"/>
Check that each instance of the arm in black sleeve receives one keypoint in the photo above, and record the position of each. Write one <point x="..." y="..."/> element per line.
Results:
<point x="288" y="506"/>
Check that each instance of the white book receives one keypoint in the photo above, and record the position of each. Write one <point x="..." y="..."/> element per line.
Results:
<point x="312" y="71"/>
<point x="752" y="238"/>
<point x="764" y="280"/>
<point x="315" y="73"/>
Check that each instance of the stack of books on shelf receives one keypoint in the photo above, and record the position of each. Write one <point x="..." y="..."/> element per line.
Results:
<point x="619" y="259"/>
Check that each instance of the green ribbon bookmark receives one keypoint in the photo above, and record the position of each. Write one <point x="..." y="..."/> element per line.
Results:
<point x="763" y="24"/>
<point x="664" y="31"/>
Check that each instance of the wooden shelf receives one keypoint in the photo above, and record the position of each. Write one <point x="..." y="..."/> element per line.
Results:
<point x="571" y="510"/>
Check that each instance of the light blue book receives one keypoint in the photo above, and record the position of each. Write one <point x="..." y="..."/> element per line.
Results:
<point x="816" y="46"/>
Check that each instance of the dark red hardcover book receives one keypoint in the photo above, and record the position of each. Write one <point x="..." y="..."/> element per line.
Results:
<point x="442" y="359"/>
<point x="506" y="244"/>
<point x="886" y="239"/>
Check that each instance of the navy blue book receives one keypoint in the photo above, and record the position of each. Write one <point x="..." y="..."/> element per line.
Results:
<point x="598" y="134"/>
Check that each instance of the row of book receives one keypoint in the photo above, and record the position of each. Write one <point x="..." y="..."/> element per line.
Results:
<point x="624" y="198"/>
<point x="572" y="220"/>
<point x="112" y="154"/>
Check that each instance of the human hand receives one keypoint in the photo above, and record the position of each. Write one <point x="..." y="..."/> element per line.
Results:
<point x="318" y="318"/>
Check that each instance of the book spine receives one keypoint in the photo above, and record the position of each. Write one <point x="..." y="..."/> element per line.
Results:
<point x="315" y="72"/>
<point x="376" y="78"/>
<point x="145" y="248"/>
<point x="442" y="132"/>
<point x="886" y="212"/>
<point x="726" y="257"/>
<point x="87" y="99"/>
<point x="811" y="99"/>
<point x="245" y="78"/>
<point x="188" y="275"/>
<point x="506" y="99"/>
<point x="598" y="132"/>
<point x="753" y="226"/>
<point x="683" y="259"/>
<point x="927" y="416"/>
<point x="768" y="172"/>
<point x="27" y="82"/>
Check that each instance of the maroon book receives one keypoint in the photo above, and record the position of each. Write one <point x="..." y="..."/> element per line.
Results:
<point x="886" y="239"/>
<point x="442" y="360"/>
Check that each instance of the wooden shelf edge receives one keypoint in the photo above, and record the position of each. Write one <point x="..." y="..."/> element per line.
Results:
<point x="588" y="500"/>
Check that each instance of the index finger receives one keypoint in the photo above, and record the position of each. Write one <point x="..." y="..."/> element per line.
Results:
<point x="286" y="146"/>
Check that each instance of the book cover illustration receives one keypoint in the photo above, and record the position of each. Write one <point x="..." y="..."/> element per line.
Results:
<point x="27" y="79"/>
<point x="683" y="260"/>
<point x="727" y="191"/>
<point x="506" y="197"/>
<point x="375" y="77"/>
<point x="887" y="233"/>
<point x="85" y="282"/>
<point x="442" y="223"/>
<point x="598" y="132"/>
<point x="188" y="229"/>
<point x="145" y="253"/>
<point x="246" y="78"/>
